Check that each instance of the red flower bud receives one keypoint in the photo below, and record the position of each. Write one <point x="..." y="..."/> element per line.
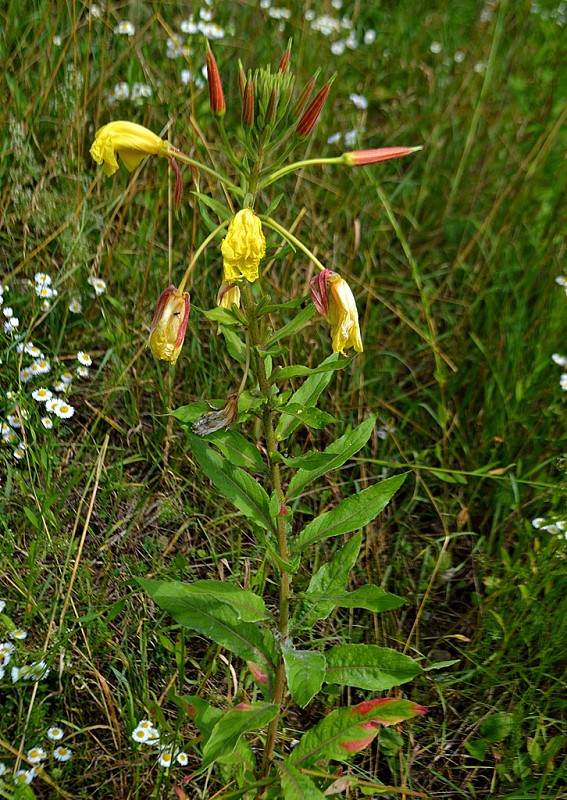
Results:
<point x="248" y="104"/>
<point x="310" y="117"/>
<point x="284" y="63"/>
<point x="359" y="158"/>
<point x="216" y="94"/>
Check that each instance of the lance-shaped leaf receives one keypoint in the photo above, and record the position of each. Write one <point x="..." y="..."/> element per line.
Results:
<point x="232" y="725"/>
<point x="305" y="673"/>
<point x="234" y="483"/>
<point x="309" y="460"/>
<point x="369" y="667"/>
<point x="328" y="580"/>
<point x="309" y="415"/>
<point x="340" y="450"/>
<point x="348" y="730"/>
<point x="307" y="395"/>
<point x="299" y="321"/>
<point x="302" y="372"/>
<point x="351" y="514"/>
<point x="249" y="606"/>
<point x="214" y="618"/>
<point x="372" y="598"/>
<point x="296" y="785"/>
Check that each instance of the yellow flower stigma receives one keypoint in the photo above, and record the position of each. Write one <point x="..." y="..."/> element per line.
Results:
<point x="243" y="247"/>
<point x="130" y="141"/>
<point x="343" y="317"/>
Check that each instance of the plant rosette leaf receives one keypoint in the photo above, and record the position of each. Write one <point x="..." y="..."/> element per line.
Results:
<point x="305" y="673"/>
<point x="346" y="731"/>
<point x="340" y="451"/>
<point x="233" y="483"/>
<point x="296" y="785"/>
<point x="351" y="514"/>
<point x="215" y="618"/>
<point x="368" y="666"/>
<point x="226" y="733"/>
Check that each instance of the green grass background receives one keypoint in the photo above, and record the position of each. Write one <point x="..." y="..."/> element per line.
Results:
<point x="452" y="255"/>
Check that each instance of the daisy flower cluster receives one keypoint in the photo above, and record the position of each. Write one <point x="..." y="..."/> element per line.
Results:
<point x="137" y="94"/>
<point x="146" y="733"/>
<point x="556" y="527"/>
<point x="37" y="755"/>
<point x="11" y="651"/>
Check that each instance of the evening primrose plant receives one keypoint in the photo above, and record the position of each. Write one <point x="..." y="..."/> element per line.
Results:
<point x="288" y="660"/>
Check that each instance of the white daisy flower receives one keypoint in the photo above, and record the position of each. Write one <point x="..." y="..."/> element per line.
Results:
<point x="18" y="633"/>
<point x="67" y="377"/>
<point x="560" y="360"/>
<point x="19" y="452"/>
<point x="26" y="374"/>
<point x="42" y="395"/>
<point x="52" y="404"/>
<point x="24" y="776"/>
<point x="62" y="753"/>
<point x="36" y="672"/>
<point x="141" y="735"/>
<point x="97" y="283"/>
<point x="64" y="410"/>
<point x="75" y="306"/>
<point x="359" y="101"/>
<point x="182" y="759"/>
<point x="32" y="350"/>
<point x="338" y="48"/>
<point x="551" y="529"/>
<point x="12" y="324"/>
<point x="189" y="26"/>
<point x="351" y="137"/>
<point x="15" y="674"/>
<point x="84" y="358"/>
<point x="146" y="724"/>
<point x="561" y="280"/>
<point x="55" y="733"/>
<point x="8" y="312"/>
<point x="42" y="279"/>
<point x="83" y="372"/>
<point x="125" y="28"/>
<point x="60" y="386"/>
<point x="14" y="420"/>
<point x="47" y="423"/>
<point x="6" y="650"/>
<point x="335" y="138"/>
<point x="36" y="755"/>
<point x="45" y="292"/>
<point x="166" y="759"/>
<point x="154" y="737"/>
<point x="538" y="522"/>
<point x="121" y="92"/>
<point x="369" y="36"/>
<point x="436" y="48"/>
<point x="41" y="366"/>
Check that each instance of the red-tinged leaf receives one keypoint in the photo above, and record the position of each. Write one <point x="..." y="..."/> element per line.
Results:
<point x="259" y="676"/>
<point x="232" y="725"/>
<point x="349" y="730"/>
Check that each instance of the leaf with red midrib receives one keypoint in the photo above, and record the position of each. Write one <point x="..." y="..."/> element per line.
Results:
<point x="348" y="730"/>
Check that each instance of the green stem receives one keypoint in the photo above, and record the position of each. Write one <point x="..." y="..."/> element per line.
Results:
<point x="198" y="252"/>
<point x="299" y="165"/>
<point x="275" y="226"/>
<point x="180" y="156"/>
<point x="285" y="586"/>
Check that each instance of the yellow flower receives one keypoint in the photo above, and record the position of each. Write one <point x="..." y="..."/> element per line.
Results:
<point x="169" y="324"/>
<point x="130" y="141"/>
<point x="333" y="298"/>
<point x="243" y="247"/>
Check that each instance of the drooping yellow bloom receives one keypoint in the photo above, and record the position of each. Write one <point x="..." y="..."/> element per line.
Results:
<point x="130" y="141"/>
<point x="169" y="324"/>
<point x="333" y="298"/>
<point x="228" y="295"/>
<point x="243" y="247"/>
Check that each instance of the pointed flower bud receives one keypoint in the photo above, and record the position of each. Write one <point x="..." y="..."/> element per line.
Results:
<point x="130" y="141"/>
<point x="169" y="324"/>
<point x="311" y="115"/>
<point x="243" y="247"/>
<point x="216" y="94"/>
<point x="248" y="104"/>
<point x="359" y="158"/>
<point x="228" y="295"/>
<point x="303" y="98"/>
<point x="334" y="300"/>
<point x="284" y="63"/>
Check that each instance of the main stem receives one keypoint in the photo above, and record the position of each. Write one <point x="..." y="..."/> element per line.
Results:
<point x="285" y="586"/>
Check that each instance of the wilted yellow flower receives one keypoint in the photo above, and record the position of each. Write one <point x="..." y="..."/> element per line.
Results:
<point x="132" y="142"/>
<point x="243" y="247"/>
<point x="333" y="298"/>
<point x="228" y="295"/>
<point x="169" y="324"/>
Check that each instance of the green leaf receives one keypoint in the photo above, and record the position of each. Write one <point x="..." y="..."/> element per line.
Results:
<point x="204" y="715"/>
<point x="307" y="395"/>
<point x="351" y="514"/>
<point x="369" y="667"/>
<point x="299" y="321"/>
<point x="250" y="607"/>
<point x="223" y="212"/>
<point x="223" y="316"/>
<point x="496" y="727"/>
<point x="310" y="416"/>
<point x="234" y="483"/>
<point x="238" y="450"/>
<point x="477" y="748"/>
<point x="301" y="372"/>
<point x="215" y="619"/>
<point x="346" y="731"/>
<point x="329" y="579"/>
<point x="296" y="785"/>
<point x="341" y="450"/>
<point x="305" y="672"/>
<point x="190" y="413"/>
<point x="310" y="460"/>
<point x="232" y="725"/>
<point x="234" y="344"/>
<point x="372" y="598"/>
